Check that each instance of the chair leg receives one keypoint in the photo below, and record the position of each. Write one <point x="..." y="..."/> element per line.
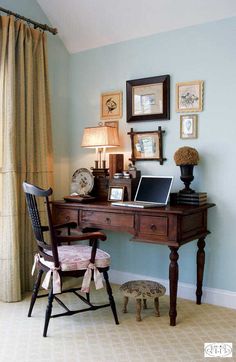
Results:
<point x="111" y="299"/>
<point x="88" y="297"/>
<point x="35" y="292"/>
<point x="48" y="312"/>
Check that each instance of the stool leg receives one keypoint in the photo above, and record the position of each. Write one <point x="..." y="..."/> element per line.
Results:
<point x="126" y="299"/>
<point x="156" y="305"/>
<point x="138" y="310"/>
<point x="144" y="303"/>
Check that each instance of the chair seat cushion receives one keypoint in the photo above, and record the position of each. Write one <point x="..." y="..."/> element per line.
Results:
<point x="77" y="257"/>
<point x="142" y="289"/>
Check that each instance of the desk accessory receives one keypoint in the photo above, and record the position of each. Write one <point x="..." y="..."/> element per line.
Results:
<point x="130" y="185"/>
<point x="82" y="182"/>
<point x="196" y="198"/>
<point x="100" y="138"/>
<point x="118" y="175"/>
<point x="101" y="183"/>
<point x="116" y="164"/>
<point x="186" y="158"/>
<point x="79" y="198"/>
<point x="116" y="193"/>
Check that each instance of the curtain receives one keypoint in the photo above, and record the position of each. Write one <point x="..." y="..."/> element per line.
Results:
<point x="26" y="147"/>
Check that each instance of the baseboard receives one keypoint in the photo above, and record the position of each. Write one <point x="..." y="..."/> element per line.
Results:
<point x="220" y="297"/>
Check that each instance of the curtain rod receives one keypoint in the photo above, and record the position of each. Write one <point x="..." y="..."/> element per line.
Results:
<point x="45" y="27"/>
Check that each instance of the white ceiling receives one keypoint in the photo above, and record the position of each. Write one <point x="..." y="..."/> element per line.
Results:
<point x="86" y="24"/>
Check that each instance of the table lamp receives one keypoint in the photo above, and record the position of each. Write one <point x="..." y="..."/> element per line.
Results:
<point x="100" y="138"/>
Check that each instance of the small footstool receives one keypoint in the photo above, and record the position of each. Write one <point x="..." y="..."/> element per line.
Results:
<point x="142" y="290"/>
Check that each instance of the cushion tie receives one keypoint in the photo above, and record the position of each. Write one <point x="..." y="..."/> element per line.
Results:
<point x="56" y="280"/>
<point x="36" y="259"/>
<point x="87" y="278"/>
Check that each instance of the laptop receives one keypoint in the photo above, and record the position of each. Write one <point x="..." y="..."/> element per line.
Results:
<point x="152" y="191"/>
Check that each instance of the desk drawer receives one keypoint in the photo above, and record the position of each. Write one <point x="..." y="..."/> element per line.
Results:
<point x="107" y="220"/>
<point x="61" y="216"/>
<point x="153" y="225"/>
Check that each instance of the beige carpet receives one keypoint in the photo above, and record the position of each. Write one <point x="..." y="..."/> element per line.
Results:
<point x="93" y="336"/>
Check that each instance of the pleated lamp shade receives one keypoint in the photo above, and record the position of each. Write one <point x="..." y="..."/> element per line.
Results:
<point x="100" y="137"/>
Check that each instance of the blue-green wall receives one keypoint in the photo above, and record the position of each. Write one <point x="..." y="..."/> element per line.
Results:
<point x="205" y="52"/>
<point x="58" y="71"/>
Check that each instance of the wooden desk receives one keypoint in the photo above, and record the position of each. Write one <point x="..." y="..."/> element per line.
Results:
<point x="172" y="226"/>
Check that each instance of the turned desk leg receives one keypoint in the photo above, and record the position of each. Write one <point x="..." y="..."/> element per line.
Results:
<point x="173" y="283"/>
<point x="200" y="268"/>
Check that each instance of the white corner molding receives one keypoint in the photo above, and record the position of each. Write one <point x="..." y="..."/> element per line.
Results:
<point x="220" y="297"/>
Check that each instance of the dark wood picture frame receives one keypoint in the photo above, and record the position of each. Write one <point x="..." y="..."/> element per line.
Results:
<point x="152" y="99"/>
<point x="147" y="146"/>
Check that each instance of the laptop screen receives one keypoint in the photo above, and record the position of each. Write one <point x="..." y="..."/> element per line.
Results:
<point x="154" y="189"/>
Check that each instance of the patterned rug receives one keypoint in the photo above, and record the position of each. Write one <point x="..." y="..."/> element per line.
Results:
<point x="94" y="337"/>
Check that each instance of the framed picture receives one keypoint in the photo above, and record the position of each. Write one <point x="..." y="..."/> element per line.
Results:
<point x="188" y="126"/>
<point x="111" y="105"/>
<point x="116" y="193"/>
<point x="148" y="98"/>
<point x="112" y="124"/>
<point x="147" y="146"/>
<point x="189" y="96"/>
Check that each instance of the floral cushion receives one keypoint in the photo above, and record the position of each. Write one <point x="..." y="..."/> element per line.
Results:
<point x="77" y="257"/>
<point x="74" y="257"/>
<point x="142" y="289"/>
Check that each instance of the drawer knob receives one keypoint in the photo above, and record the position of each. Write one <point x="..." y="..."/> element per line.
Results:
<point x="153" y="227"/>
<point x="108" y="220"/>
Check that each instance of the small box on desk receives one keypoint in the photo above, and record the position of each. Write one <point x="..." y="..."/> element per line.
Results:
<point x="101" y="183"/>
<point x="116" y="163"/>
<point x="130" y="185"/>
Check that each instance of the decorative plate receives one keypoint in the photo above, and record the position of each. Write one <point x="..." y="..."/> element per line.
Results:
<point x="82" y="181"/>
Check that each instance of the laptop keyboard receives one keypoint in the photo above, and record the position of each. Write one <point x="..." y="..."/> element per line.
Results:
<point x="139" y="204"/>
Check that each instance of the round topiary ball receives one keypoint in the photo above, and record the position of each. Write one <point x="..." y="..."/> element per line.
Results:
<point x="186" y="156"/>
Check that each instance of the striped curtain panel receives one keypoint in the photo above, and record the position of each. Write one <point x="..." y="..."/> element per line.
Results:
<point x="26" y="147"/>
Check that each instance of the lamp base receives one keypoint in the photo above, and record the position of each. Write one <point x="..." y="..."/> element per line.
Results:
<point x="101" y="183"/>
<point x="100" y="172"/>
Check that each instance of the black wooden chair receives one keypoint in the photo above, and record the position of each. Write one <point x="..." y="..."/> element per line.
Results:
<point x="58" y="259"/>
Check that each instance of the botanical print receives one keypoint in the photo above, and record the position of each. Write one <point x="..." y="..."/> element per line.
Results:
<point x="188" y="126"/>
<point x="111" y="105"/>
<point x="189" y="96"/>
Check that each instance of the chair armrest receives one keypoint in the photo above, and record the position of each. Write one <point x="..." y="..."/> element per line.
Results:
<point x="71" y="225"/>
<point x="44" y="228"/>
<point x="86" y="236"/>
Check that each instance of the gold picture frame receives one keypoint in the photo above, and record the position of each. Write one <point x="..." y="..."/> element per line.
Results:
<point x="116" y="193"/>
<point x="111" y="105"/>
<point x="188" y="126"/>
<point x="114" y="124"/>
<point x="189" y="96"/>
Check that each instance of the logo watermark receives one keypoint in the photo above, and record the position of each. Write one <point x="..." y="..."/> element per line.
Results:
<point x="215" y="349"/>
